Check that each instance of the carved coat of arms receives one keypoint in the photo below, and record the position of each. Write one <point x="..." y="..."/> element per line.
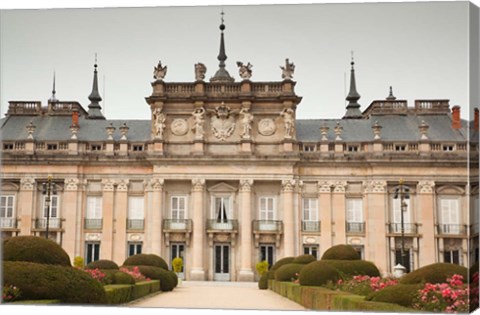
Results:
<point x="223" y="123"/>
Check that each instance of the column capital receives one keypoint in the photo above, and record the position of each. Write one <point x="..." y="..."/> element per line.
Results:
<point x="156" y="183"/>
<point x="288" y="185"/>
<point x="198" y="184"/>
<point x="27" y="183"/>
<point x="425" y="187"/>
<point x="324" y="186"/>
<point x="108" y="184"/>
<point x="123" y="185"/>
<point x="246" y="185"/>
<point x="376" y="186"/>
<point x="71" y="183"/>
<point x="339" y="186"/>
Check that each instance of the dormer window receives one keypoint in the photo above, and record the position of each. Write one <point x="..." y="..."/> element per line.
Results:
<point x="95" y="147"/>
<point x="400" y="147"/>
<point x="52" y="146"/>
<point x="447" y="147"/>
<point x="8" y="146"/>
<point x="308" y="148"/>
<point x="352" y="148"/>
<point x="137" y="147"/>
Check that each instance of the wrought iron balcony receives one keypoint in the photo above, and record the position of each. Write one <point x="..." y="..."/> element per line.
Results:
<point x="53" y="223"/>
<point x="135" y="224"/>
<point x="8" y="223"/>
<point x="408" y="228"/>
<point x="177" y="225"/>
<point x="451" y="229"/>
<point x="311" y="226"/>
<point x="222" y="225"/>
<point x="93" y="224"/>
<point x="355" y="227"/>
<point x="267" y="226"/>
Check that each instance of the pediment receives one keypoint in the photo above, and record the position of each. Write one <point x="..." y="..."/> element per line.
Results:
<point x="222" y="187"/>
<point x="7" y="186"/>
<point x="450" y="190"/>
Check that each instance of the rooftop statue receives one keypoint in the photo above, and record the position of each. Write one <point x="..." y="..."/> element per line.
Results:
<point x="289" y="121"/>
<point x="159" y="71"/>
<point x="200" y="71"/>
<point x="245" y="71"/>
<point x="288" y="70"/>
<point x="198" y="116"/>
<point x="159" y="123"/>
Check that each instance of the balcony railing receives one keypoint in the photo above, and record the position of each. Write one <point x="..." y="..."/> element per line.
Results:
<point x="267" y="226"/>
<point x="177" y="224"/>
<point x="53" y="223"/>
<point x="224" y="225"/>
<point x="451" y="229"/>
<point x="311" y="226"/>
<point x="408" y="228"/>
<point x="93" y="224"/>
<point x="355" y="227"/>
<point x="8" y="223"/>
<point x="135" y="224"/>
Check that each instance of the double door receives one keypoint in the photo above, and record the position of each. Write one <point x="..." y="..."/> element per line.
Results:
<point x="221" y="262"/>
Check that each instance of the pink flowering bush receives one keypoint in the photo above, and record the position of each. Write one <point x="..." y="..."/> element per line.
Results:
<point x="450" y="297"/>
<point x="96" y="274"/>
<point x="474" y="292"/>
<point x="135" y="273"/>
<point x="10" y="293"/>
<point x="364" y="285"/>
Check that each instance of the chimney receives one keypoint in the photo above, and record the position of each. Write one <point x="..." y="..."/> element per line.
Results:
<point x="475" y="118"/>
<point x="456" y="123"/>
<point x="75" y="117"/>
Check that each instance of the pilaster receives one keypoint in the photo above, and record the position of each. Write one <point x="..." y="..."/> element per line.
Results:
<point x="425" y="192"/>
<point x="246" y="272"/>
<point x="197" y="272"/>
<point x="69" y="213"/>
<point x="156" y="208"/>
<point x="288" y="187"/>
<point x="120" y="221"/>
<point x="325" y="207"/>
<point x="339" y="210"/>
<point x="106" y="246"/>
<point x="25" y="204"/>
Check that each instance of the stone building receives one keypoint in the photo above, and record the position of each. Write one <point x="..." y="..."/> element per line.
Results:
<point x="224" y="175"/>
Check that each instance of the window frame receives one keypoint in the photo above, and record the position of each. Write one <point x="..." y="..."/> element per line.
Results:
<point x="185" y="210"/>
<point x="273" y="211"/>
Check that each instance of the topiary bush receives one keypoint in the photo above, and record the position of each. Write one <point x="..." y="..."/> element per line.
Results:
<point x="341" y="252"/>
<point x="103" y="264"/>
<point x="401" y="294"/>
<point x="434" y="273"/>
<point x="146" y="260"/>
<point x="174" y="277"/>
<point x="117" y="277"/>
<point x="349" y="268"/>
<point x="34" y="249"/>
<point x="167" y="281"/>
<point x="53" y="282"/>
<point x="288" y="272"/>
<point x="263" y="282"/>
<point x="281" y="262"/>
<point x="318" y="273"/>
<point x="304" y="259"/>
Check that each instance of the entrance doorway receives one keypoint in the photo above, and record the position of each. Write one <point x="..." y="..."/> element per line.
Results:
<point x="221" y="262"/>
<point x="178" y="250"/>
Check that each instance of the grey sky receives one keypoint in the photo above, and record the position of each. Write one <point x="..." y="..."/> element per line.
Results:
<point x="421" y="49"/>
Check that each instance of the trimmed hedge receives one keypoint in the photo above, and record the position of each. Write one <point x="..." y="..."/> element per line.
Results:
<point x="288" y="272"/>
<point x="401" y="294"/>
<point x="281" y="262"/>
<point x="120" y="294"/>
<point x="167" y="281"/>
<point x="434" y="273"/>
<point x="340" y="252"/>
<point x="146" y="260"/>
<point x="318" y="273"/>
<point x="304" y="259"/>
<point x="348" y="268"/>
<point x="263" y="282"/>
<point x="103" y="264"/>
<point x="117" y="277"/>
<point x="36" y="250"/>
<point x="40" y="281"/>
<point x="355" y="303"/>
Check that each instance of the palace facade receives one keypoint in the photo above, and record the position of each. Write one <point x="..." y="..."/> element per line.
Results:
<point x="225" y="176"/>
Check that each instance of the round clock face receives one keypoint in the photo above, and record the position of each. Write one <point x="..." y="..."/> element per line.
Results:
<point x="266" y="127"/>
<point x="179" y="127"/>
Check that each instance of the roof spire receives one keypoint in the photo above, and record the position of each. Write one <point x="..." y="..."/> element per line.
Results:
<point x="53" y="99"/>
<point x="390" y="96"/>
<point x="222" y="74"/>
<point x="353" y="108"/>
<point x="94" y="109"/>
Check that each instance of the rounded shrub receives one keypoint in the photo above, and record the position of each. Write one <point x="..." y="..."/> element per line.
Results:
<point x="281" y="262"/>
<point x="341" y="252"/>
<point x="401" y="294"/>
<point x="304" y="259"/>
<point x="174" y="277"/>
<point x="146" y="260"/>
<point x="167" y="282"/>
<point x="349" y="268"/>
<point x="270" y="275"/>
<point x="288" y="272"/>
<point x="318" y="273"/>
<point x="117" y="277"/>
<point x="36" y="250"/>
<point x="434" y="273"/>
<point x="53" y="282"/>
<point x="102" y="264"/>
<point x="263" y="282"/>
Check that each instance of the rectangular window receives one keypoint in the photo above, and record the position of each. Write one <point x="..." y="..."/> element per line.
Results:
<point x="311" y="250"/>
<point x="354" y="210"/>
<point x="396" y="211"/>
<point x="7" y="206"/>
<point x="137" y="147"/>
<point x="309" y="148"/>
<point x="267" y="208"/>
<point x="407" y="256"/>
<point x="310" y="209"/>
<point x="92" y="252"/>
<point x="134" y="248"/>
<point x="94" y="207"/>
<point x="52" y="146"/>
<point x="451" y="256"/>
<point x="447" y="147"/>
<point x="54" y="206"/>
<point x="95" y="147"/>
<point x="135" y="208"/>
<point x="360" y="249"/>
<point x="221" y="209"/>
<point x="267" y="253"/>
<point x="179" y="207"/>
<point x="8" y="146"/>
<point x="449" y="215"/>
<point x="352" y="148"/>
<point x="400" y="147"/>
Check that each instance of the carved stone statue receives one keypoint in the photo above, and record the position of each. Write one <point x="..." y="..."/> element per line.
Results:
<point x="288" y="70"/>
<point x="245" y="71"/>
<point x="159" y="71"/>
<point x="246" y="123"/>
<point x="288" y="121"/>
<point x="223" y="122"/>
<point x="158" y="123"/>
<point x="200" y="71"/>
<point x="198" y="115"/>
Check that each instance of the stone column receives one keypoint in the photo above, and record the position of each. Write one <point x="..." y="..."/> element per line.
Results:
<point x="197" y="272"/>
<point x="246" y="272"/>
<point x="426" y="209"/>
<point x="339" y="211"/>
<point x="156" y="209"/>
<point x="120" y="222"/>
<point x="106" y="246"/>
<point x="288" y="220"/>
<point x="69" y="213"/>
<point x="325" y="215"/>
<point x="376" y="240"/>
<point x="25" y="205"/>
